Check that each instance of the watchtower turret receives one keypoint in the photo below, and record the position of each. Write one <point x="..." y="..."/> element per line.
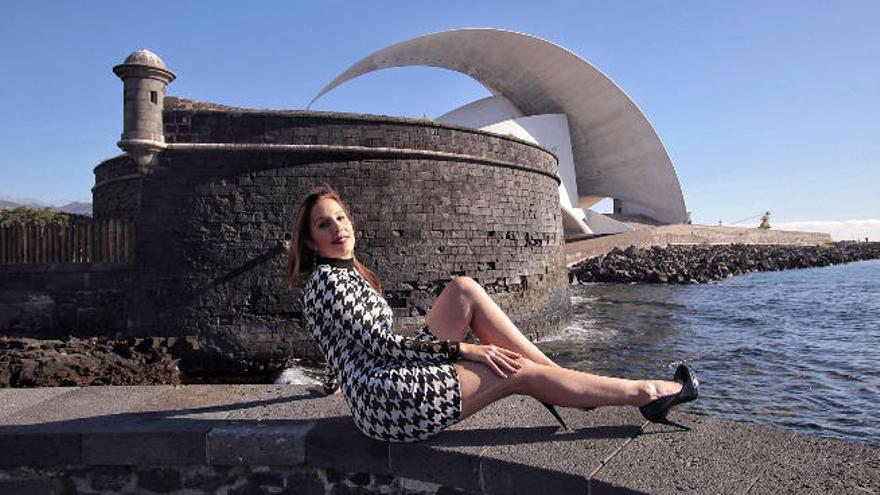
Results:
<point x="144" y="77"/>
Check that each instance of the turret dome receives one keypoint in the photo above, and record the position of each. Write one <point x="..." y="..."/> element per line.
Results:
<point x="145" y="57"/>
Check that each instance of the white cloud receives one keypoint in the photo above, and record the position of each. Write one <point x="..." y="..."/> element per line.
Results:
<point x="840" y="230"/>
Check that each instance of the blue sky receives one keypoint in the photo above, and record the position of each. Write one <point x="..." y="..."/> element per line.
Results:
<point x="761" y="105"/>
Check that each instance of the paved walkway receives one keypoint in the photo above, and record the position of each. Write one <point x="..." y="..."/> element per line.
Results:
<point x="511" y="447"/>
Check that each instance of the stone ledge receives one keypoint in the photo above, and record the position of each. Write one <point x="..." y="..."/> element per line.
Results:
<point x="512" y="446"/>
<point x="176" y="106"/>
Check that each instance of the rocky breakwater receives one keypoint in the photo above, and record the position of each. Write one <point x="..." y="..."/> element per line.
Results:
<point x="680" y="264"/>
<point x="77" y="362"/>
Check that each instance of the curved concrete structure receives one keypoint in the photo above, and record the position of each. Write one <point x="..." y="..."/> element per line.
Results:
<point x="616" y="152"/>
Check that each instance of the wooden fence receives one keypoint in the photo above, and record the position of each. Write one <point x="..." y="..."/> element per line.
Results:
<point x="106" y="240"/>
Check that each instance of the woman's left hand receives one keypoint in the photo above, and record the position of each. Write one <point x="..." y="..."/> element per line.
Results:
<point x="498" y="359"/>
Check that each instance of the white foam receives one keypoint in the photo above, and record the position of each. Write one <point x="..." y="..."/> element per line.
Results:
<point x="577" y="300"/>
<point x="294" y="376"/>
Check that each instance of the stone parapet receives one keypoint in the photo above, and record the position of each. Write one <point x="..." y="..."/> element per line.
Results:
<point x="190" y="121"/>
<point x="113" y="168"/>
<point x="275" y="437"/>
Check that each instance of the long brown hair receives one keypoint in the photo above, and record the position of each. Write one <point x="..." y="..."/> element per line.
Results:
<point x="301" y="258"/>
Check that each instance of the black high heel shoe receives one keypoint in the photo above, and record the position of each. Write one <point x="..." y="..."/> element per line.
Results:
<point x="555" y="414"/>
<point x="656" y="411"/>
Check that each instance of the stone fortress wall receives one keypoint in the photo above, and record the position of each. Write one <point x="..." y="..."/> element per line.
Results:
<point x="430" y="202"/>
<point x="214" y="208"/>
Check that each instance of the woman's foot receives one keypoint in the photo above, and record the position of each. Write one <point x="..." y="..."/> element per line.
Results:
<point x="688" y="389"/>
<point x="662" y="388"/>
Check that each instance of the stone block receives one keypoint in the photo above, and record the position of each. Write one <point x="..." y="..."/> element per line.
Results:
<point x="266" y="444"/>
<point x="336" y="442"/>
<point x="31" y="446"/>
<point x="331" y="439"/>
<point x="159" y="444"/>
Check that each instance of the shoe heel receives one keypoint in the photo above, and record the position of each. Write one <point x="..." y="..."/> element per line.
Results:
<point x="555" y="414"/>
<point x="669" y="422"/>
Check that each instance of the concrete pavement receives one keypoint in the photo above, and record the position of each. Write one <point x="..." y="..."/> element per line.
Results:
<point x="514" y="446"/>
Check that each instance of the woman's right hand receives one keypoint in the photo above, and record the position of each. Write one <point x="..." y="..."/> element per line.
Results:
<point x="498" y="359"/>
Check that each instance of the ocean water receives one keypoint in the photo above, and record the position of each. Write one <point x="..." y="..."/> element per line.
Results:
<point x="797" y="349"/>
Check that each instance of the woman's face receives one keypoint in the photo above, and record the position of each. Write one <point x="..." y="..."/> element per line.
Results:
<point x="332" y="235"/>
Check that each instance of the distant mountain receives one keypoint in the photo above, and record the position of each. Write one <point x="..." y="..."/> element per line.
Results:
<point x="75" y="207"/>
<point x="6" y="202"/>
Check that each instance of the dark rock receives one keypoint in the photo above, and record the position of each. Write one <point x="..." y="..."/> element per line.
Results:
<point x="267" y="479"/>
<point x="111" y="479"/>
<point x="350" y="490"/>
<point x="159" y="480"/>
<point x="208" y="483"/>
<point x="247" y="489"/>
<point x="383" y="479"/>
<point x="450" y="490"/>
<point x="333" y="475"/>
<point x="304" y="484"/>
<point x="702" y="264"/>
<point x="80" y="362"/>
<point x="360" y="479"/>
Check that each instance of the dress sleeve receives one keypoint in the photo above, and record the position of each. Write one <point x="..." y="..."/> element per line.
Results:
<point x="351" y="310"/>
<point x="329" y="383"/>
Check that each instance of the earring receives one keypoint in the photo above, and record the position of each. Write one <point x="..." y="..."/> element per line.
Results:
<point x="314" y="258"/>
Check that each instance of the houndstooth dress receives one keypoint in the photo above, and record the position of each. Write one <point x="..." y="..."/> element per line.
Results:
<point x="398" y="389"/>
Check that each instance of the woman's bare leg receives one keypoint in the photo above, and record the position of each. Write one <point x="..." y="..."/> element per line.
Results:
<point x="464" y="303"/>
<point x="480" y="386"/>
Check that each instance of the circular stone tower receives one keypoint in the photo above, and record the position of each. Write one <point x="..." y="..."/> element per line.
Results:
<point x="430" y="202"/>
<point x="213" y="192"/>
<point x="144" y="77"/>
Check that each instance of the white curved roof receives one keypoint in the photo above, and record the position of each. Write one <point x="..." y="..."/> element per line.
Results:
<point x="616" y="151"/>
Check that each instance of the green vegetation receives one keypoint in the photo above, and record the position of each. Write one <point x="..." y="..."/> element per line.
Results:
<point x="39" y="216"/>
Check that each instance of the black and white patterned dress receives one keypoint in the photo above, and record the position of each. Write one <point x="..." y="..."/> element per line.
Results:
<point x="398" y="389"/>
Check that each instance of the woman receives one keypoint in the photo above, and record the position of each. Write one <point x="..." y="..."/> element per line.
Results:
<point x="407" y="389"/>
